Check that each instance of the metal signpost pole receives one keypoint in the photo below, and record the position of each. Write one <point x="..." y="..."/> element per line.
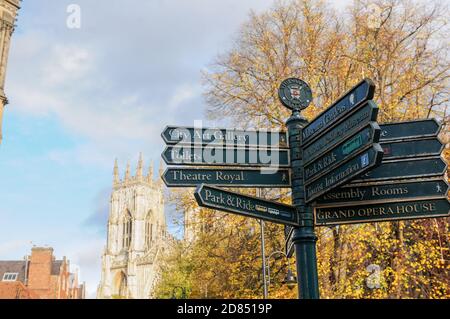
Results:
<point x="304" y="237"/>
<point x="296" y="95"/>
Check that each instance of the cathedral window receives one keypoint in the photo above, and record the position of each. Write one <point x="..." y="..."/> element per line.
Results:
<point x="148" y="230"/>
<point x="127" y="230"/>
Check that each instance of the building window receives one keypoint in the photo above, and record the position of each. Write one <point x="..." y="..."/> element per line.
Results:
<point x="148" y="230"/>
<point x="10" y="276"/>
<point x="127" y="230"/>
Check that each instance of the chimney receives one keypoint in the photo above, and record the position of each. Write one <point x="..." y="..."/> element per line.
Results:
<point x="40" y="268"/>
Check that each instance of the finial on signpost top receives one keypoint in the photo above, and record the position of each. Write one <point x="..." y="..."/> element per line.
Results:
<point x="295" y="94"/>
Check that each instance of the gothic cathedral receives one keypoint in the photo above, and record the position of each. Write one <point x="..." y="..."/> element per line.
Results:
<point x="136" y="233"/>
<point x="8" y="12"/>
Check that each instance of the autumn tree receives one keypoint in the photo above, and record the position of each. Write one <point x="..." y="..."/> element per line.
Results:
<point x="402" y="46"/>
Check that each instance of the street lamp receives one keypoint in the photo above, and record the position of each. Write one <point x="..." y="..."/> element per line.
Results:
<point x="183" y="292"/>
<point x="290" y="280"/>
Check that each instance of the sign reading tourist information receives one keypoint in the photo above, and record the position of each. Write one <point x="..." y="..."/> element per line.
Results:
<point x="376" y="212"/>
<point x="217" y="198"/>
<point x="218" y="156"/>
<point x="411" y="129"/>
<point x="346" y="104"/>
<point x="390" y="191"/>
<point x="192" y="177"/>
<point x="345" y="172"/>
<point x="223" y="137"/>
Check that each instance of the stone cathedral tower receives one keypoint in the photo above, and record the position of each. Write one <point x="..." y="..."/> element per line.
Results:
<point x="136" y="235"/>
<point x="8" y="12"/>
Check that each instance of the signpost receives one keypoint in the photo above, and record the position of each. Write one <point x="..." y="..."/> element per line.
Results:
<point x="343" y="168"/>
<point x="349" y="102"/>
<point x="223" y="137"/>
<point x="405" y="169"/>
<point x="419" y="147"/>
<point x="343" y="173"/>
<point x="438" y="207"/>
<point x="218" y="156"/>
<point x="192" y="177"/>
<point x="217" y="198"/>
<point x="338" y="155"/>
<point x="411" y="129"/>
<point x="390" y="191"/>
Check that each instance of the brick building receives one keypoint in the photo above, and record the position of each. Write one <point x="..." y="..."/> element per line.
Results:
<point x="39" y="276"/>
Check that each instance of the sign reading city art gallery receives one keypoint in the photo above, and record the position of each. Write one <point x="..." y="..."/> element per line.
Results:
<point x="347" y="171"/>
<point x="224" y="137"/>
<point x="386" y="192"/>
<point x="382" y="212"/>
<point x="349" y="102"/>
<point x="217" y="198"/>
<point x="191" y="177"/>
<point x="217" y="156"/>
<point x="347" y="149"/>
<point x="340" y="132"/>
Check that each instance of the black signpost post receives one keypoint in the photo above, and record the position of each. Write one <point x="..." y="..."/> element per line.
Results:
<point x="342" y="168"/>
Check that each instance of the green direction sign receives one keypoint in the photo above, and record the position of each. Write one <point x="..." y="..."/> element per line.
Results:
<point x="348" y="148"/>
<point x="347" y="171"/>
<point x="349" y="102"/>
<point x="411" y="129"/>
<point x="405" y="169"/>
<point x="218" y="156"/>
<point x="378" y="212"/>
<point x="412" y="148"/>
<point x="223" y="137"/>
<point x="217" y="198"/>
<point x="192" y="177"/>
<point x="343" y="130"/>
<point x="390" y="191"/>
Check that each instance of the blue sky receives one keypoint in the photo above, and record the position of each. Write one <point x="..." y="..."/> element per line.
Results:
<point x="81" y="97"/>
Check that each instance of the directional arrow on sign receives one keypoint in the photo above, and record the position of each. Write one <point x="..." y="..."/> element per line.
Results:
<point x="411" y="129"/>
<point x="217" y="156"/>
<point x="192" y="177"/>
<point x="340" y="132"/>
<point x="223" y="137"/>
<point x="346" y="104"/>
<point x="347" y="171"/>
<point x="348" y="148"/>
<point x="405" y="169"/>
<point x="412" y="148"/>
<point x="377" y="212"/>
<point x="388" y="191"/>
<point x="217" y="198"/>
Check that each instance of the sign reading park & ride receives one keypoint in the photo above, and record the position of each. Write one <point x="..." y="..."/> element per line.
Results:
<point x="217" y="198"/>
<point x="192" y="177"/>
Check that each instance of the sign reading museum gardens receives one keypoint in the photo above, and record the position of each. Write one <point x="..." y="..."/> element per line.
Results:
<point x="342" y="167"/>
